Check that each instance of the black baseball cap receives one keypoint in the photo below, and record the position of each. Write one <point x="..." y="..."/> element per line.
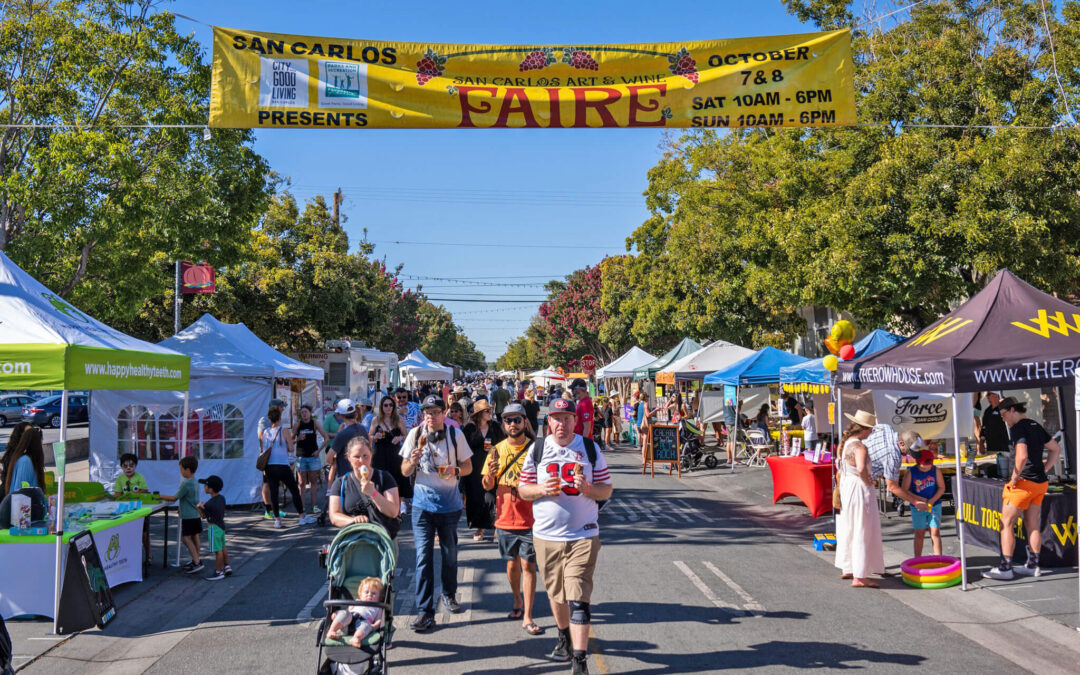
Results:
<point x="1009" y="402"/>
<point x="578" y="384"/>
<point x="433" y="401"/>
<point x="561" y="405"/>
<point x="212" y="482"/>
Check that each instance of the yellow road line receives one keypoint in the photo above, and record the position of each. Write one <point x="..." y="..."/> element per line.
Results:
<point x="601" y="664"/>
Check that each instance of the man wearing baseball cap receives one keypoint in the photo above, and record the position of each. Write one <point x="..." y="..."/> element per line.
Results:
<point x="566" y="534"/>
<point x="338" y="457"/>
<point x="438" y="455"/>
<point x="513" y="514"/>
<point x="583" y="408"/>
<point x="1025" y="489"/>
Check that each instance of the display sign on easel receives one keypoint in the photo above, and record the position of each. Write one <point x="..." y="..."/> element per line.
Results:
<point x="85" y="599"/>
<point x="664" y="447"/>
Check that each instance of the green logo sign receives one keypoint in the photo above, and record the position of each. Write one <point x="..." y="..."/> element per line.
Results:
<point x="114" y="548"/>
<point x="343" y="80"/>
<point x="65" y="308"/>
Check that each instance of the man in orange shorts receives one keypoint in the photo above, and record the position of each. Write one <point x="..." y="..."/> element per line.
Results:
<point x="1024" y="492"/>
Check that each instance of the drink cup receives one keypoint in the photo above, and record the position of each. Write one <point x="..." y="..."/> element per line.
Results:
<point x="579" y="469"/>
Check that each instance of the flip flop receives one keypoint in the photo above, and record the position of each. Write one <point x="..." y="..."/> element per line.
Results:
<point x="870" y="584"/>
<point x="516" y="613"/>
<point x="532" y="629"/>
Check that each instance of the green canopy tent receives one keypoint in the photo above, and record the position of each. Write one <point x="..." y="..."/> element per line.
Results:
<point x="46" y="343"/>
<point x="649" y="370"/>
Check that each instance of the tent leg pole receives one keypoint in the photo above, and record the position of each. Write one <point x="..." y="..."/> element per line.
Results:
<point x="958" y="495"/>
<point x="59" y="571"/>
<point x="183" y="449"/>
<point x="1076" y="463"/>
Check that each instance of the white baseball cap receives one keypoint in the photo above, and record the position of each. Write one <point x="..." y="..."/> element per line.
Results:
<point x="345" y="407"/>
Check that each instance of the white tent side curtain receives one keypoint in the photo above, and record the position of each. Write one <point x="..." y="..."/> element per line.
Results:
<point x="222" y="430"/>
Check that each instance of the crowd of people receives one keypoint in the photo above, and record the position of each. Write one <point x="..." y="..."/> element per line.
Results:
<point x="439" y="453"/>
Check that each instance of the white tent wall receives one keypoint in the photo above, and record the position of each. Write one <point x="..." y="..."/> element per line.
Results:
<point x="250" y="396"/>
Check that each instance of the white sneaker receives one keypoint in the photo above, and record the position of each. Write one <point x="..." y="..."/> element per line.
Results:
<point x="998" y="573"/>
<point x="277" y="523"/>
<point x="308" y="520"/>
<point x="1025" y="571"/>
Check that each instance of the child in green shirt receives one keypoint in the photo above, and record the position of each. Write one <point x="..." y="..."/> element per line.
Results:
<point x="129" y="481"/>
<point x="187" y="495"/>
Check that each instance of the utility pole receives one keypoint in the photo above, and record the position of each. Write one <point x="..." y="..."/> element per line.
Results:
<point x="337" y="207"/>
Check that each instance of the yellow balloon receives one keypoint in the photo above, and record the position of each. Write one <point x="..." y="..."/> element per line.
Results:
<point x="830" y="362"/>
<point x="842" y="331"/>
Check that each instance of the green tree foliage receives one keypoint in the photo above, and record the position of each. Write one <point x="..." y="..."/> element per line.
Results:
<point x="94" y="209"/>
<point x="890" y="221"/>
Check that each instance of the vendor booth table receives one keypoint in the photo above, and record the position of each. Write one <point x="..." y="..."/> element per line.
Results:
<point x="26" y="587"/>
<point x="796" y="477"/>
<point x="981" y="511"/>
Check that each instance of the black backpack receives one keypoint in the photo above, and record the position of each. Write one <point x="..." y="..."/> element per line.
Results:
<point x="590" y="451"/>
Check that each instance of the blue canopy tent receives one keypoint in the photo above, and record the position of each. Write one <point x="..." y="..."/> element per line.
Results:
<point x="761" y="367"/>
<point x="813" y="371"/>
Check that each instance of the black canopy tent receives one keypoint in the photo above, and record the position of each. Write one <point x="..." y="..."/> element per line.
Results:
<point x="1009" y="335"/>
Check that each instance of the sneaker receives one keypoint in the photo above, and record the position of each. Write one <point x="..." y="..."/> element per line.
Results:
<point x="308" y="520"/>
<point x="562" y="648"/>
<point x="423" y="623"/>
<point x="281" y="514"/>
<point x="196" y="567"/>
<point x="1004" y="574"/>
<point x="451" y="604"/>
<point x="228" y="570"/>
<point x="581" y="667"/>
<point x="1028" y="570"/>
<point x="315" y="510"/>
<point x="187" y="567"/>
<point x="216" y="576"/>
<point x="277" y="523"/>
<point x="267" y="515"/>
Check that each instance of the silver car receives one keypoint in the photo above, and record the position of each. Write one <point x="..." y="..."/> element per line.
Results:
<point x="11" y="407"/>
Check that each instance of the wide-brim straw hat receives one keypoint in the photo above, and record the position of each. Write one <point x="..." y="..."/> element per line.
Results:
<point x="480" y="406"/>
<point x="862" y="418"/>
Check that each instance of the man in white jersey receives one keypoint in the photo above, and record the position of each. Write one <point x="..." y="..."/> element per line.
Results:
<point x="565" y="531"/>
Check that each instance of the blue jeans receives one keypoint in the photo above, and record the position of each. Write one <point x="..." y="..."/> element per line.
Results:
<point x="426" y="526"/>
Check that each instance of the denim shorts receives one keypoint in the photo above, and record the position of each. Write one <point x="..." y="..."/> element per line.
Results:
<point x="921" y="520"/>
<point x="310" y="463"/>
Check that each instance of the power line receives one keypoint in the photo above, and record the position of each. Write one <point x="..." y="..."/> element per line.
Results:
<point x="562" y="247"/>
<point x="477" y="300"/>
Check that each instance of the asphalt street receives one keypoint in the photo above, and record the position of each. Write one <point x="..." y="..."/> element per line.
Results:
<point x="695" y="575"/>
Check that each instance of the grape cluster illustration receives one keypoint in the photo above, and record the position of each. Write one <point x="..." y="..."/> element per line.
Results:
<point x="537" y="60"/>
<point x="431" y="65"/>
<point x="580" y="59"/>
<point x="681" y="63"/>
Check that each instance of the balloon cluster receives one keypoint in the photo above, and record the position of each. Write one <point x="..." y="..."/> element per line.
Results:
<point x="839" y="344"/>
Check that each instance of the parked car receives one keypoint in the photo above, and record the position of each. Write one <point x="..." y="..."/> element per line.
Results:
<point x="46" y="412"/>
<point x="11" y="407"/>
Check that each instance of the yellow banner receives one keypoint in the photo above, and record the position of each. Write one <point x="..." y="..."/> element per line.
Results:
<point x="293" y="81"/>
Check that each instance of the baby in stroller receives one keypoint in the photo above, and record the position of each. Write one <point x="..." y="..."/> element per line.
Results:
<point x="365" y="618"/>
<point x="361" y="561"/>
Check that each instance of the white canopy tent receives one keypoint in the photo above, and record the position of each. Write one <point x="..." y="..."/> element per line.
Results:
<point x="46" y="343"/>
<point x="624" y="366"/>
<point x="232" y="377"/>
<point x="419" y="368"/>
<point x="545" y="377"/>
<point x="710" y="358"/>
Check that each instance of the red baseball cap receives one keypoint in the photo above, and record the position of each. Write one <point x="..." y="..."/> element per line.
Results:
<point x="926" y="457"/>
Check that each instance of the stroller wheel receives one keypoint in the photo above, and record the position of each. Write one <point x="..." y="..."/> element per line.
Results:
<point x="710" y="461"/>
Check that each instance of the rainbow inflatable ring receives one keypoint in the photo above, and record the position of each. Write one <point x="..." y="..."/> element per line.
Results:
<point x="931" y="571"/>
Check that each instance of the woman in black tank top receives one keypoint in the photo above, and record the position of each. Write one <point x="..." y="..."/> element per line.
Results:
<point x="306" y="432"/>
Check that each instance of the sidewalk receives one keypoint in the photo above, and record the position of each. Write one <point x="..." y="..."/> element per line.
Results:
<point x="1014" y="619"/>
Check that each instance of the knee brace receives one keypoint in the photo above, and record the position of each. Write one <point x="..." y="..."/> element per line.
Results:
<point x="580" y="614"/>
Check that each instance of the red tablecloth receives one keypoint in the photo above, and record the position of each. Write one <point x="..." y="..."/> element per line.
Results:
<point x="796" y="477"/>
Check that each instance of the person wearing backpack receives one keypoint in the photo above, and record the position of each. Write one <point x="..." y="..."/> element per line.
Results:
<point x="438" y="455"/>
<point x="565" y="476"/>
<point x="513" y="515"/>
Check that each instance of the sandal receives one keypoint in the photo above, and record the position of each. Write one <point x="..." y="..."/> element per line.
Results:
<point x="516" y="613"/>
<point x="846" y="576"/>
<point x="869" y="584"/>
<point x="532" y="629"/>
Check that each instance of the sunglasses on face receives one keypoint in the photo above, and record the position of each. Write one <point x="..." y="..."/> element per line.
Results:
<point x="388" y="404"/>
<point x="513" y="420"/>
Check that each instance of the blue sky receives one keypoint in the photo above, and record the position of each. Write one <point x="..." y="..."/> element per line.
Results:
<point x="543" y="202"/>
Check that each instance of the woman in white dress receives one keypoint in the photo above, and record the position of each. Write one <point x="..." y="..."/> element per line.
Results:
<point x="858" y="526"/>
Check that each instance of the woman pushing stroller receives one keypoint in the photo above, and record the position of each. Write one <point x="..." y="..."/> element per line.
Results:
<point x="365" y="494"/>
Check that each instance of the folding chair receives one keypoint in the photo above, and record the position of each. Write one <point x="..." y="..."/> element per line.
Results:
<point x="759" y="445"/>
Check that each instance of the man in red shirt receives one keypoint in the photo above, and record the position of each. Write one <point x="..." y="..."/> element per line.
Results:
<point x="583" y="426"/>
<point x="514" y="515"/>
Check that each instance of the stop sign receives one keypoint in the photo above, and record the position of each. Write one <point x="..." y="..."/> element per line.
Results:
<point x="588" y="363"/>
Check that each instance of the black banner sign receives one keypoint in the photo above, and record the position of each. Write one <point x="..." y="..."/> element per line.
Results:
<point x="981" y="513"/>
